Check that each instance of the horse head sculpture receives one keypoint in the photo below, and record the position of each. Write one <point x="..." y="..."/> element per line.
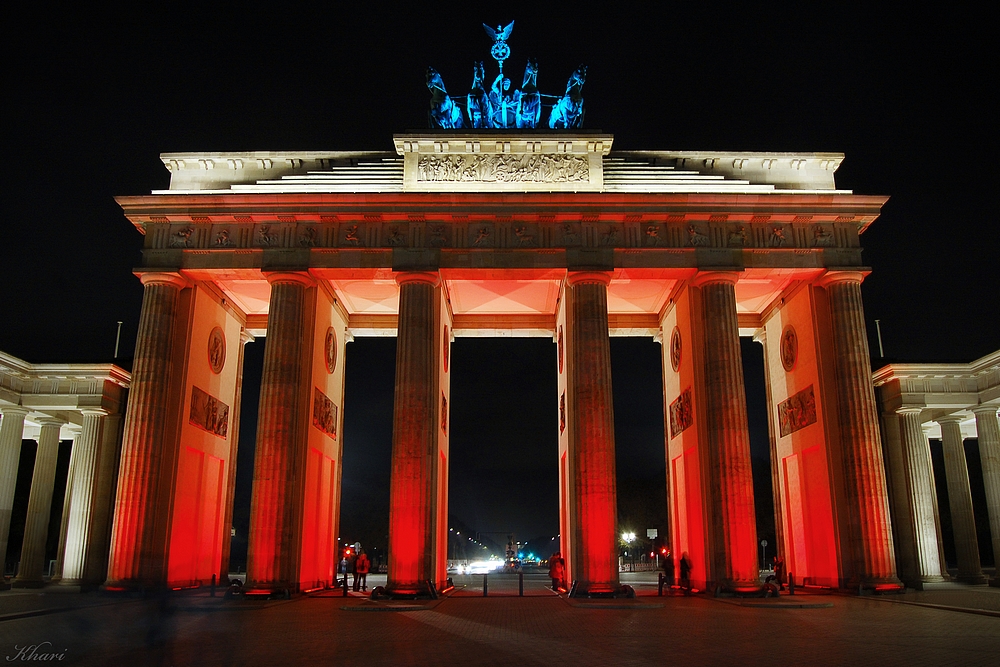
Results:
<point x="443" y="113"/>
<point x="568" y="111"/>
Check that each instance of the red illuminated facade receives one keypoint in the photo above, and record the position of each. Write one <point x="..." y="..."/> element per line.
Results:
<point x="500" y="234"/>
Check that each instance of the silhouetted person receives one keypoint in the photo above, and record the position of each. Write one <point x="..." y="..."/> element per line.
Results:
<point x="557" y="570"/>
<point x="779" y="572"/>
<point x="668" y="569"/>
<point x="685" y="573"/>
<point x="361" y="567"/>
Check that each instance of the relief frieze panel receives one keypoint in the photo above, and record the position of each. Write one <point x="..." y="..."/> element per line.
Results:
<point x="209" y="413"/>
<point x="499" y="168"/>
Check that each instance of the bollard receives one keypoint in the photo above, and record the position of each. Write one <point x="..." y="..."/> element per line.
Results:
<point x="520" y="584"/>
<point x="213" y="585"/>
<point x="659" y="585"/>
<point x="486" y="586"/>
<point x="791" y="584"/>
<point x="345" y="585"/>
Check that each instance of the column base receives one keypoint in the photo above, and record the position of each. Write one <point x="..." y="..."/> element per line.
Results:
<point x="972" y="579"/>
<point x="279" y="589"/>
<point x="877" y="586"/>
<point x="578" y="590"/>
<point x="420" y="591"/>
<point x="995" y="581"/>
<point x="27" y="583"/>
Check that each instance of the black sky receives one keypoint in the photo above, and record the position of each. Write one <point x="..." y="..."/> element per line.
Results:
<point x="92" y="99"/>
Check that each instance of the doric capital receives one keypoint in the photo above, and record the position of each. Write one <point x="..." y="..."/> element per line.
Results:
<point x="581" y="277"/>
<point x="246" y="337"/>
<point x="949" y="419"/>
<point x="13" y="411"/>
<point x="833" y="277"/>
<point x="703" y="278"/>
<point x="294" y="277"/>
<point x="94" y="412"/>
<point x="423" y="277"/>
<point x="164" y="278"/>
<point x="50" y="422"/>
<point x="984" y="410"/>
<point x="904" y="411"/>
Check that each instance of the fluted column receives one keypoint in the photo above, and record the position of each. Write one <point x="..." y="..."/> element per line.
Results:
<point x="11" y="434"/>
<point x="234" y="440"/>
<point x="730" y="494"/>
<point x="272" y="560"/>
<point x="96" y="564"/>
<point x="36" y="525"/>
<point x="963" y="520"/>
<point x="923" y="497"/>
<point x="136" y="558"/>
<point x="900" y="500"/>
<point x="927" y="428"/>
<point x="871" y="561"/>
<point x="411" y="520"/>
<point x="988" y="431"/>
<point x="81" y="492"/>
<point x="75" y="432"/>
<point x="593" y="489"/>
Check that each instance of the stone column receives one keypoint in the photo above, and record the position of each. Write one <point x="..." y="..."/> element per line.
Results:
<point x="988" y="430"/>
<point x="136" y="559"/>
<point x="81" y="493"/>
<point x="593" y="491"/>
<point x="75" y="432"/>
<point x="36" y="526"/>
<point x="963" y="519"/>
<point x="926" y="429"/>
<point x="11" y="434"/>
<point x="732" y="520"/>
<point x="96" y="567"/>
<point x="411" y="516"/>
<point x="923" y="497"/>
<point x="273" y="558"/>
<point x="234" y="440"/>
<point x="900" y="500"/>
<point x="871" y="562"/>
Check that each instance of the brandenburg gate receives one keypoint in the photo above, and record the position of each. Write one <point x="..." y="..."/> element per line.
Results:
<point x="500" y="233"/>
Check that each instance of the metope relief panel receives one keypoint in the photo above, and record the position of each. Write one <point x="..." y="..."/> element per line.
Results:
<point x="797" y="411"/>
<point x="324" y="416"/>
<point x="493" y="168"/>
<point x="681" y="413"/>
<point x="209" y="413"/>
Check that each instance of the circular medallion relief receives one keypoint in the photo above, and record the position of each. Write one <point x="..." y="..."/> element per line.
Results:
<point x="560" y="351"/>
<point x="789" y="348"/>
<point x="675" y="349"/>
<point x="330" y="349"/>
<point x="446" y="349"/>
<point x="216" y="350"/>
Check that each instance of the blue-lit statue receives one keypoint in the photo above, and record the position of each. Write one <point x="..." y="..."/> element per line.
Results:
<point x="568" y="112"/>
<point x="503" y="108"/>
<point x="529" y="108"/>
<point x="444" y="113"/>
<point x="479" y="107"/>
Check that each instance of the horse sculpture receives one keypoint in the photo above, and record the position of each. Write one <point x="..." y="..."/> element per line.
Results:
<point x="568" y="112"/>
<point x="529" y="108"/>
<point x="444" y="113"/>
<point x="479" y="108"/>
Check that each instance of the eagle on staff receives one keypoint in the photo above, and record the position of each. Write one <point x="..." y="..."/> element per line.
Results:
<point x="500" y="51"/>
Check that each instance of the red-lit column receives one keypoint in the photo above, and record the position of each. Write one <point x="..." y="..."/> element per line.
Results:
<point x="36" y="525"/>
<point x="138" y="558"/>
<point x="593" y="493"/>
<point x="279" y="463"/>
<point x="11" y="433"/>
<point x="963" y="519"/>
<point x="414" y="432"/>
<point x="871" y="561"/>
<point x="730" y="480"/>
<point x="234" y="436"/>
<point x="923" y="498"/>
<point x="988" y="431"/>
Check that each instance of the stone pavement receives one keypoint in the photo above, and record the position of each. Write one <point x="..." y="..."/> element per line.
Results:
<point x="193" y="629"/>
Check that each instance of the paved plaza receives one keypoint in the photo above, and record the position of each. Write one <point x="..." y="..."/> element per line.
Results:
<point x="191" y="628"/>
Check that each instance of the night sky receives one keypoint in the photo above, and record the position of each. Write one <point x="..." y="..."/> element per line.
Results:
<point x="92" y="100"/>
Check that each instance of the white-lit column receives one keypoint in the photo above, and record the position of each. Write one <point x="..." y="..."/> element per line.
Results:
<point x="923" y="497"/>
<point x="81" y="493"/>
<point x="74" y="438"/>
<point x="36" y="526"/>
<point x="11" y="433"/>
<point x="963" y="520"/>
<point x="988" y="430"/>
